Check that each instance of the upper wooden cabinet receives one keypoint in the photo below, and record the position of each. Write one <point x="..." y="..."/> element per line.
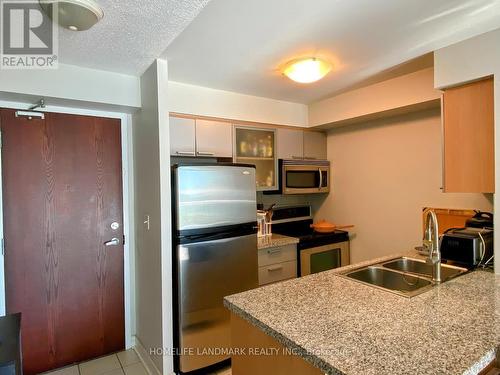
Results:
<point x="290" y="143"/>
<point x="182" y="136"/>
<point x="214" y="138"/>
<point x="190" y="137"/>
<point x="211" y="138"/>
<point x="468" y="131"/>
<point x="314" y="145"/>
<point x="300" y="144"/>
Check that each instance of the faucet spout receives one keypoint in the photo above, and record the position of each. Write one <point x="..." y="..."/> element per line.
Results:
<point x="431" y="243"/>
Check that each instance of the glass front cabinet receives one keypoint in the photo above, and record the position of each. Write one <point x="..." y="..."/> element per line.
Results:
<point x="257" y="146"/>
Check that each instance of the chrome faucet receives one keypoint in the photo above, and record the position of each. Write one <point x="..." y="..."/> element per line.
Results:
<point x="431" y="243"/>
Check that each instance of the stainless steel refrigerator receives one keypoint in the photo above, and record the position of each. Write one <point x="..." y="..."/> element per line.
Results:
<point x="215" y="255"/>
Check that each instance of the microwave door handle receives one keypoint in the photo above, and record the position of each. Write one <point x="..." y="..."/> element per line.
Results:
<point x="320" y="179"/>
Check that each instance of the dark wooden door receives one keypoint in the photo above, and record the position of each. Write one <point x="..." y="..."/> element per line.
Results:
<point x="62" y="190"/>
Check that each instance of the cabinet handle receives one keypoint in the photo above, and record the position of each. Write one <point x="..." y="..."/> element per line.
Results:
<point x="204" y="153"/>
<point x="188" y="153"/>
<point x="274" y="251"/>
<point x="297" y="157"/>
<point x="275" y="268"/>
<point x="309" y="158"/>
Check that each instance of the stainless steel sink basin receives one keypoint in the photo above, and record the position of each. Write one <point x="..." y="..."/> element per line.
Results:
<point x="397" y="282"/>
<point x="419" y="267"/>
<point x="405" y="276"/>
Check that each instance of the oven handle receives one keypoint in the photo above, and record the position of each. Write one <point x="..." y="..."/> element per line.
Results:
<point x="320" y="179"/>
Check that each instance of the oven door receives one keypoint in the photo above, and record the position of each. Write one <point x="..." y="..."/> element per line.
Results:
<point x="305" y="179"/>
<point x="323" y="258"/>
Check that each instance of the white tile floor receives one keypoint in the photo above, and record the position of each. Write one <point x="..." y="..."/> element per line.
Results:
<point x="123" y="363"/>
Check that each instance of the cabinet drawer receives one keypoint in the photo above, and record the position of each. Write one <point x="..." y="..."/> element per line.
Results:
<point x="277" y="272"/>
<point x="277" y="255"/>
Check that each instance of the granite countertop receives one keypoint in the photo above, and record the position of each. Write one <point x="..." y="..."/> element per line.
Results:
<point x="344" y="327"/>
<point x="275" y="240"/>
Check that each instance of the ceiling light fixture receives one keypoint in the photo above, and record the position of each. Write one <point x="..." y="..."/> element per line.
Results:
<point x="307" y="70"/>
<point x="75" y="15"/>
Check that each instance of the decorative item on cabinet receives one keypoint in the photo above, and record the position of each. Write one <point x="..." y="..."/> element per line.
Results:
<point x="257" y="146"/>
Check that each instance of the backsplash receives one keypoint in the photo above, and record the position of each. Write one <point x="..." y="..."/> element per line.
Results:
<point x="314" y="200"/>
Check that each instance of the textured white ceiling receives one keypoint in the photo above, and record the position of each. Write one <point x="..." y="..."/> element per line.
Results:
<point x="131" y="35"/>
<point x="239" y="45"/>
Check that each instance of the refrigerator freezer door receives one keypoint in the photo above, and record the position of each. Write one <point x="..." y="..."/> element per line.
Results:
<point x="207" y="272"/>
<point x="214" y="196"/>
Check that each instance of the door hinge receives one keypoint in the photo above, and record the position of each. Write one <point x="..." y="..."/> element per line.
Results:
<point x="1" y="139"/>
<point x="123" y="243"/>
<point x="3" y="247"/>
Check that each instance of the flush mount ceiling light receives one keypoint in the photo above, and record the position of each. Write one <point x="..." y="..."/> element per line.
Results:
<point x="307" y="70"/>
<point x="75" y="15"/>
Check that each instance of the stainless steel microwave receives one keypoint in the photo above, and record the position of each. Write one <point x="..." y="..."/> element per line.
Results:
<point x="304" y="176"/>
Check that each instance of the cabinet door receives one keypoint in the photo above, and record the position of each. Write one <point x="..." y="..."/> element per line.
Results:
<point x="314" y="145"/>
<point x="468" y="130"/>
<point x="182" y="136"/>
<point x="290" y="143"/>
<point x="257" y="146"/>
<point x="214" y="138"/>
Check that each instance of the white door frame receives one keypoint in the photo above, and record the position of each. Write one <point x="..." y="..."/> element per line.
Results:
<point x="128" y="208"/>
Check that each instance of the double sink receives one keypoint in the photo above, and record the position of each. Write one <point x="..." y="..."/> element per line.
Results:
<point x="405" y="276"/>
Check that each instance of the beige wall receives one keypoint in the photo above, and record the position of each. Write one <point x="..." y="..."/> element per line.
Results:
<point x="74" y="86"/>
<point x="384" y="172"/>
<point x="204" y="101"/>
<point x="401" y="92"/>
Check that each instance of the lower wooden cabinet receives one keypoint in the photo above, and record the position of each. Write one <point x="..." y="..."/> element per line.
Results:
<point x="249" y="342"/>
<point x="468" y="138"/>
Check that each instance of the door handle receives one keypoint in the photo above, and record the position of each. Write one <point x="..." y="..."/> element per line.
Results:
<point x="206" y="153"/>
<point x="320" y="179"/>
<point x="113" y="242"/>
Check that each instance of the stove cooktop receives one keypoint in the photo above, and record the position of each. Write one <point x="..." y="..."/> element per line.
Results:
<point x="307" y="236"/>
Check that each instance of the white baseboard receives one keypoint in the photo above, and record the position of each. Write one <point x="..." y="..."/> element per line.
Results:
<point x="146" y="359"/>
<point x="131" y="343"/>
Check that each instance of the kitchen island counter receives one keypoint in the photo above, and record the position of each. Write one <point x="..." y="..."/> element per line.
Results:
<point x="341" y="326"/>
